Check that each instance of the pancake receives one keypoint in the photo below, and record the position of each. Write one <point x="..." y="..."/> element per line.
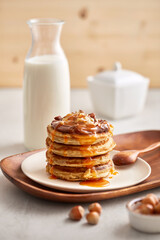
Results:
<point x="79" y="129"/>
<point x="54" y="159"/>
<point x="81" y="151"/>
<point x="80" y="174"/>
<point x="77" y="139"/>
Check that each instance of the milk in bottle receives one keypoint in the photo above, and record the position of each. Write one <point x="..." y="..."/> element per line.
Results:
<point x="46" y="88"/>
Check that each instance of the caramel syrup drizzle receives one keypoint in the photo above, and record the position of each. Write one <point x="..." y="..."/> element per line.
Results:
<point x="98" y="182"/>
<point x="53" y="135"/>
<point x="113" y="172"/>
<point x="65" y="139"/>
<point x="80" y="138"/>
<point x="52" y="177"/>
<point x="89" y="162"/>
<point x="84" y="151"/>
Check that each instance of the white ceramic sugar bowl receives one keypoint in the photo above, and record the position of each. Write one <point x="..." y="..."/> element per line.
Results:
<point x="118" y="93"/>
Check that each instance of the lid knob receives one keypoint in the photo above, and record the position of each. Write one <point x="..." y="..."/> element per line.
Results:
<point x="117" y="66"/>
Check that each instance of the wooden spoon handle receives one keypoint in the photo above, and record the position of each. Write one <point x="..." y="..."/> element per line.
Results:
<point x="150" y="148"/>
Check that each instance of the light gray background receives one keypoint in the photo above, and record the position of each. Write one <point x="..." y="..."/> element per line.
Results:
<point x="25" y="217"/>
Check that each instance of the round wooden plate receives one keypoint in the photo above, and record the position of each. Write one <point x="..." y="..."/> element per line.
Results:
<point x="11" y="168"/>
<point x="34" y="167"/>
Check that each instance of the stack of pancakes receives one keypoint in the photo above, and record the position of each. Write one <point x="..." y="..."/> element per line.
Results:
<point x="78" y="147"/>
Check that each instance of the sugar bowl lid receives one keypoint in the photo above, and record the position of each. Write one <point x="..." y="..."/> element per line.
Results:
<point x="119" y="76"/>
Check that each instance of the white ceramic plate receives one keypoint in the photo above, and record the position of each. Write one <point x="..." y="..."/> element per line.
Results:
<point x="34" y="168"/>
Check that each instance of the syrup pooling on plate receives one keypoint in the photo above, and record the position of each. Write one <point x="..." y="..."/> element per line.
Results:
<point x="95" y="183"/>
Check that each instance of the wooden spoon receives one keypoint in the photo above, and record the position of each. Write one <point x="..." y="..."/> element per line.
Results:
<point x="130" y="156"/>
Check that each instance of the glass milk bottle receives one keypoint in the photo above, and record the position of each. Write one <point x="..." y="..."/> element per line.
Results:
<point x="46" y="88"/>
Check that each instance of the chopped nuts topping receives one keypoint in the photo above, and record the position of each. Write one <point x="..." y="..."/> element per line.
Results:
<point x="58" y="118"/>
<point x="80" y="123"/>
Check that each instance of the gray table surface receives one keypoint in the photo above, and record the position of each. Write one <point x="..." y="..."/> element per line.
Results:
<point x="25" y="217"/>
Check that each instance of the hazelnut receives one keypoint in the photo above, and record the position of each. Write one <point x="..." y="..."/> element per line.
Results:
<point x="81" y="111"/>
<point x="95" y="207"/>
<point x="58" y="118"/>
<point x="92" y="218"/>
<point x="157" y="208"/>
<point x="150" y="199"/>
<point x="76" y="213"/>
<point x="92" y="115"/>
<point x="145" y="209"/>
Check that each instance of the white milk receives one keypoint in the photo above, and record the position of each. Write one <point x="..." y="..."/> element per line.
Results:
<point x="46" y="95"/>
